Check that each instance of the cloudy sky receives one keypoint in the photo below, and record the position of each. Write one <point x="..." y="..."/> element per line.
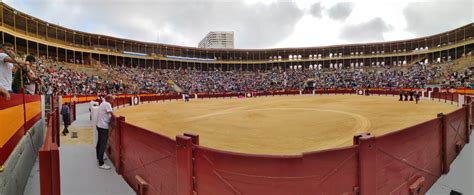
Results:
<point x="256" y="23"/>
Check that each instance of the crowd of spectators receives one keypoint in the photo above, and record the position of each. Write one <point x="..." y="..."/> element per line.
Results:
<point x="54" y="78"/>
<point x="195" y="81"/>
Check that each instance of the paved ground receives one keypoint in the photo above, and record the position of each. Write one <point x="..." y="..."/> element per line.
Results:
<point x="80" y="174"/>
<point x="82" y="126"/>
<point x="461" y="174"/>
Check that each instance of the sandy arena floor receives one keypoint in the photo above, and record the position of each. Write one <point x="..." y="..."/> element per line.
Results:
<point x="282" y="125"/>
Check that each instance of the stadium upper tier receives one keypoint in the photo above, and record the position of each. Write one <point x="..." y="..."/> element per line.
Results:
<point x="35" y="36"/>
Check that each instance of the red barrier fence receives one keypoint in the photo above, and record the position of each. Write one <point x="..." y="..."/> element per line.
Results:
<point x="407" y="156"/>
<point x="155" y="163"/>
<point x="219" y="172"/>
<point x="407" y="161"/>
<point x="19" y="114"/>
<point x="49" y="158"/>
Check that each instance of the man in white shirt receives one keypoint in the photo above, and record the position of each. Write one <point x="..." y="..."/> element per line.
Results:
<point x="104" y="114"/>
<point x="6" y="70"/>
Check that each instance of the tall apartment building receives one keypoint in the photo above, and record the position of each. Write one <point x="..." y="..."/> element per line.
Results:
<point x="218" y="39"/>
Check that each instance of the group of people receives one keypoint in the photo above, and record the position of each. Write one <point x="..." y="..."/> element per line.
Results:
<point x="147" y="80"/>
<point x="46" y="76"/>
<point x="414" y="96"/>
<point x="15" y="73"/>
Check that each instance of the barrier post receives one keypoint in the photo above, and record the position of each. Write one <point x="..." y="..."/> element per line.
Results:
<point x="57" y="123"/>
<point x="118" y="144"/>
<point x="55" y="170"/>
<point x="471" y="104"/>
<point x="184" y="165"/>
<point x="367" y="164"/>
<point x="194" y="137"/>
<point x="444" y="146"/>
<point x="468" y="122"/>
<point x="45" y="175"/>
<point x="75" y="112"/>
<point x="142" y="186"/>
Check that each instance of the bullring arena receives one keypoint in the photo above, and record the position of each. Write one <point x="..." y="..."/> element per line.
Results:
<point x="283" y="124"/>
<point x="277" y="121"/>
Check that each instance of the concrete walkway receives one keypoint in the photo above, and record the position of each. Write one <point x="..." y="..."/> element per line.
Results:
<point x="80" y="174"/>
<point x="461" y="174"/>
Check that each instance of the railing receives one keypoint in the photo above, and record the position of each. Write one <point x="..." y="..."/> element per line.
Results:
<point x="407" y="161"/>
<point x="49" y="158"/>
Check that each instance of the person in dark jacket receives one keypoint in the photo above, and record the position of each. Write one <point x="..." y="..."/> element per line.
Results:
<point x="66" y="113"/>
<point x="417" y="97"/>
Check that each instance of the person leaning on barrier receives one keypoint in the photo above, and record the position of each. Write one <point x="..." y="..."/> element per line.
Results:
<point x="7" y="62"/>
<point x="26" y="77"/>
<point x="104" y="114"/>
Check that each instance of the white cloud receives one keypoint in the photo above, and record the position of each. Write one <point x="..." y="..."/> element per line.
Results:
<point x="426" y="18"/>
<point x="257" y="23"/>
<point x="371" y="30"/>
<point x="340" y="11"/>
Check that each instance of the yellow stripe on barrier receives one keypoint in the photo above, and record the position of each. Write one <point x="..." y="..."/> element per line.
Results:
<point x="15" y="119"/>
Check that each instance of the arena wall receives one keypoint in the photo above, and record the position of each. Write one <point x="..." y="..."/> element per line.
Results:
<point x="407" y="161"/>
<point x="20" y="151"/>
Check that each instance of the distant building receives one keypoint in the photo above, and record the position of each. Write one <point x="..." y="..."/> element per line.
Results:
<point x="218" y="39"/>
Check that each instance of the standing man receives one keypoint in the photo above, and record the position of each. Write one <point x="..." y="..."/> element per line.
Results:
<point x="66" y="113"/>
<point x="417" y="97"/>
<point x="104" y="113"/>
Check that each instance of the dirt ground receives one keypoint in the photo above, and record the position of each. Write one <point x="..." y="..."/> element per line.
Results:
<point x="282" y="125"/>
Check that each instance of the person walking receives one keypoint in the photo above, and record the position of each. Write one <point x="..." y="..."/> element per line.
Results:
<point x="417" y="96"/>
<point x="66" y="113"/>
<point x="104" y="114"/>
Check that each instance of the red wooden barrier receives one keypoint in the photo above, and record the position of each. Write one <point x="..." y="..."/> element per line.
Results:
<point x="184" y="157"/>
<point x="405" y="156"/>
<point x="49" y="161"/>
<point x="456" y="133"/>
<point x="148" y="155"/>
<point x="408" y="161"/>
<point x="367" y="162"/>
<point x="219" y="172"/>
